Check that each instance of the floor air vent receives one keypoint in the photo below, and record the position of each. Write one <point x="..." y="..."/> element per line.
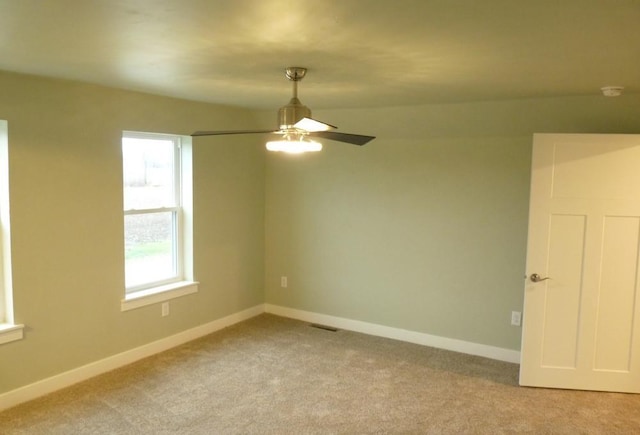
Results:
<point x="326" y="328"/>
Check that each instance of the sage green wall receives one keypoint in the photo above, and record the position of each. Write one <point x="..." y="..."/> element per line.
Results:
<point x="425" y="227"/>
<point x="67" y="226"/>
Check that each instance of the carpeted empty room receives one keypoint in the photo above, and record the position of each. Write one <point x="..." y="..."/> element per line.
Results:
<point x="276" y="375"/>
<point x="319" y="217"/>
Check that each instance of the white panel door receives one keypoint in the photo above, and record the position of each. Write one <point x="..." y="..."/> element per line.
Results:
<point x="581" y="326"/>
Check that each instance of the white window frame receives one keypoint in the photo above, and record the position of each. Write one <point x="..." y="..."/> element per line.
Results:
<point x="9" y="331"/>
<point x="183" y="283"/>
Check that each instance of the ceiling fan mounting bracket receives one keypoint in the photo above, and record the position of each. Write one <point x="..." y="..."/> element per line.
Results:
<point x="295" y="73"/>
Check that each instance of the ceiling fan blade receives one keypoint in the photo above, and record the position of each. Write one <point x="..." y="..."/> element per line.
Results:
<point x="313" y="125"/>
<point x="218" y="133"/>
<point x="355" y="139"/>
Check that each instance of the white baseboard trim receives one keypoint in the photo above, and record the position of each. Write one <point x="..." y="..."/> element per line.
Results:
<point x="467" y="347"/>
<point x="62" y="380"/>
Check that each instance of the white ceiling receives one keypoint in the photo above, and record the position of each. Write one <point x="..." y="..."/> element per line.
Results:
<point x="360" y="53"/>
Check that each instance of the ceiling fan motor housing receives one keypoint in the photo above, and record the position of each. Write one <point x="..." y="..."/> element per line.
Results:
<point x="291" y="113"/>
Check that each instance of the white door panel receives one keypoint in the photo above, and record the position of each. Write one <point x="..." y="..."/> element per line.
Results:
<point x="582" y="326"/>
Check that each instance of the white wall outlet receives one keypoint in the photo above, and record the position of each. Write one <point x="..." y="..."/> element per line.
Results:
<point x="283" y="281"/>
<point x="165" y="309"/>
<point x="516" y="318"/>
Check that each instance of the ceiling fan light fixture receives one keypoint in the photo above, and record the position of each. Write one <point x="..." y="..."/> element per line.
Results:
<point x="294" y="146"/>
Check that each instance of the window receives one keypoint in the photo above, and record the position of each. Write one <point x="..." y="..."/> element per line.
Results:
<point x="156" y="221"/>
<point x="8" y="330"/>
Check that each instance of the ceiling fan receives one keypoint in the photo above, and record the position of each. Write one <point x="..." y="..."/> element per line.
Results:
<point x="296" y="126"/>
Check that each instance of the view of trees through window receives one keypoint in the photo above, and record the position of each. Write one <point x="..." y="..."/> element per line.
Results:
<point x="151" y="206"/>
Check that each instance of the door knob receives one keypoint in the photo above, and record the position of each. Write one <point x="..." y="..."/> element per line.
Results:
<point x="537" y="278"/>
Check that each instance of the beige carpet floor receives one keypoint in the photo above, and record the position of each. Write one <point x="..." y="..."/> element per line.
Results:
<point x="271" y="375"/>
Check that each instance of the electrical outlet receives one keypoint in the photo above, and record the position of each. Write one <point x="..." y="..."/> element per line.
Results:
<point x="283" y="281"/>
<point x="165" y="309"/>
<point x="516" y="318"/>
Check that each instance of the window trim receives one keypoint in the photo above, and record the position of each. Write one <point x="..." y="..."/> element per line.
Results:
<point x="9" y="331"/>
<point x="158" y="294"/>
<point x="183" y="284"/>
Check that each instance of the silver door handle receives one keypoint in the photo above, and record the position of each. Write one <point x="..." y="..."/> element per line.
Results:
<point x="537" y="278"/>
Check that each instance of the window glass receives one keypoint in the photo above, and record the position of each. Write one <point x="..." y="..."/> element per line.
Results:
<point x="149" y="173"/>
<point x="149" y="248"/>
<point x="151" y="188"/>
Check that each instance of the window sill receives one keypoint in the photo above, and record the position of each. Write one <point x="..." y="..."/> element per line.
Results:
<point x="158" y="294"/>
<point x="10" y="332"/>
